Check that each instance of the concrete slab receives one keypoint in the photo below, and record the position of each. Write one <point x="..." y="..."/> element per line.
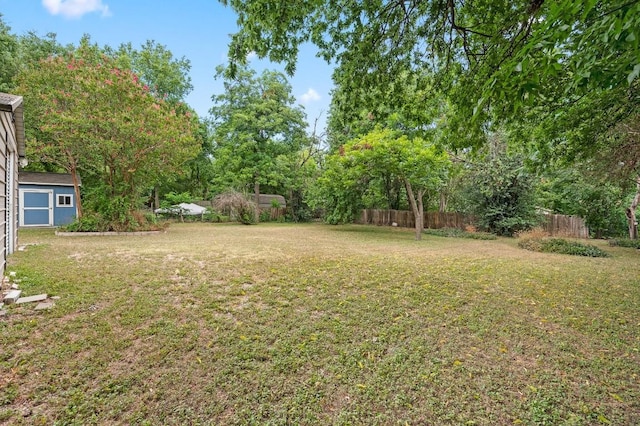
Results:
<point x="12" y="296"/>
<point x="28" y="299"/>
<point x="44" y="305"/>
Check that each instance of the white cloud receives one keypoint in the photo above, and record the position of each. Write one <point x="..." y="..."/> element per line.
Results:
<point x="75" y="8"/>
<point x="310" y="96"/>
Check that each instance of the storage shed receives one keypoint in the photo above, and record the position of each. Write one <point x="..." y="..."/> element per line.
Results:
<point x="12" y="152"/>
<point x="46" y="199"/>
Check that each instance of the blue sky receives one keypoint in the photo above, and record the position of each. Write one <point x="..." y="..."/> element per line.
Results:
<point x="196" y="29"/>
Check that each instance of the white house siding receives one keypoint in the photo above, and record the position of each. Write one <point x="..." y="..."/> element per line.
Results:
<point x="7" y="134"/>
<point x="11" y="149"/>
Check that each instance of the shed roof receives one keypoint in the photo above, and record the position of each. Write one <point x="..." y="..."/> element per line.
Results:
<point x="13" y="104"/>
<point x="267" y="199"/>
<point x="41" y="178"/>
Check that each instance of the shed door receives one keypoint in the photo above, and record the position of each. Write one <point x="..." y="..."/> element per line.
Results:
<point x="37" y="207"/>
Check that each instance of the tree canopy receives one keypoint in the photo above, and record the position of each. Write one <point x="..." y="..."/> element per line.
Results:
<point x="381" y="155"/>
<point x="94" y="117"/>
<point x="255" y="121"/>
<point x="491" y="58"/>
<point x="167" y="77"/>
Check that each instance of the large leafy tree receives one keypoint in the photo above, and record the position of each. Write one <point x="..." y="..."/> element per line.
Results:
<point x="384" y="152"/>
<point x="595" y="132"/>
<point x="198" y="176"/>
<point x="490" y="58"/>
<point x="411" y="100"/>
<point x="89" y="116"/>
<point x="255" y="122"/>
<point x="167" y="77"/>
<point x="8" y="56"/>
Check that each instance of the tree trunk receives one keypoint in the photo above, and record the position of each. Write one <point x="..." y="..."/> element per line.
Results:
<point x="442" y="208"/>
<point x="292" y="207"/>
<point x="631" y="213"/>
<point x="421" y="209"/>
<point x="256" y="192"/>
<point x="76" y="190"/>
<point x="156" y="198"/>
<point x="417" y="210"/>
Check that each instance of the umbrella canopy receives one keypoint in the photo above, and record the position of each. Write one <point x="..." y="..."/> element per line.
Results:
<point x="188" y="209"/>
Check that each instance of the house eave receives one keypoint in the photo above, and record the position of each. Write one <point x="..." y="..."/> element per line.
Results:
<point x="14" y="105"/>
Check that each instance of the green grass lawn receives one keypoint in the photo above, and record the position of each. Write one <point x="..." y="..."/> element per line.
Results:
<point x="313" y="324"/>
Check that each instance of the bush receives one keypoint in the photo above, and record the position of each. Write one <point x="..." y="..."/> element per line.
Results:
<point x="459" y="233"/>
<point x="172" y="198"/>
<point x="625" y="242"/>
<point x="265" y="216"/>
<point x="90" y="222"/>
<point x="238" y="205"/>
<point x="95" y="222"/>
<point x="560" y="246"/>
<point x="500" y="193"/>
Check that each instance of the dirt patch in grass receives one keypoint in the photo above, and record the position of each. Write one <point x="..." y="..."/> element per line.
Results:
<point x="313" y="324"/>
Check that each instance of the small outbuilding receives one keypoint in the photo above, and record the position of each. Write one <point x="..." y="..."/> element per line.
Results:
<point x="46" y="199"/>
<point x="271" y="200"/>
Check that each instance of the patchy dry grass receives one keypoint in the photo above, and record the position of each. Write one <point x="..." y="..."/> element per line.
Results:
<point x="310" y="324"/>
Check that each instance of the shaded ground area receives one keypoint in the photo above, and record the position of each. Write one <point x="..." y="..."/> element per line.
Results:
<point x="312" y="324"/>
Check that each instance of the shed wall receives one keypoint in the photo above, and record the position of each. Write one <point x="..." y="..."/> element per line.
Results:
<point x="62" y="215"/>
<point x="7" y="137"/>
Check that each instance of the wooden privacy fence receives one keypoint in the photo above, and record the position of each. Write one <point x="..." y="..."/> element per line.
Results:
<point x="565" y="226"/>
<point x="275" y="213"/>
<point x="405" y="219"/>
<point x="554" y="224"/>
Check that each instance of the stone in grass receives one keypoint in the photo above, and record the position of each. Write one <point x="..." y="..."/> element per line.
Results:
<point x="44" y="305"/>
<point x="12" y="296"/>
<point x="28" y="299"/>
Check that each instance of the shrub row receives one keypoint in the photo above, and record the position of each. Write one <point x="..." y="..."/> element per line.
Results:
<point x="561" y="246"/>
<point x="95" y="222"/>
<point x="624" y="242"/>
<point x="459" y="233"/>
